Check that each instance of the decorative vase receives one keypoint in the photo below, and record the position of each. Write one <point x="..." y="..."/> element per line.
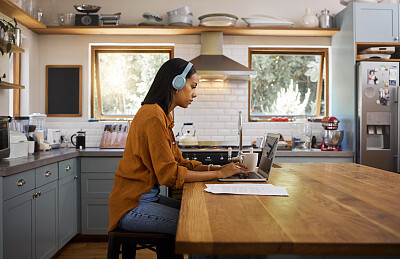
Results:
<point x="309" y="19"/>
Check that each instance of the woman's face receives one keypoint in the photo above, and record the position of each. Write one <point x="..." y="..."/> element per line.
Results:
<point x="185" y="96"/>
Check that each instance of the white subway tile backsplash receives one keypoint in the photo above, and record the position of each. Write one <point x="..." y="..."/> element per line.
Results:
<point x="214" y="112"/>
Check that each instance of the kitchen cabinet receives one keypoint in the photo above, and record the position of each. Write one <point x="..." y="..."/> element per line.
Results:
<point x="97" y="180"/>
<point x="376" y="23"/>
<point x="40" y="210"/>
<point x="68" y="208"/>
<point x="30" y="218"/>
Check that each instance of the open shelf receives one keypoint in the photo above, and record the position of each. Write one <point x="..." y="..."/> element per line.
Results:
<point x="185" y="30"/>
<point x="5" y="85"/>
<point x="360" y="46"/>
<point x="13" y="11"/>
<point x="14" y="48"/>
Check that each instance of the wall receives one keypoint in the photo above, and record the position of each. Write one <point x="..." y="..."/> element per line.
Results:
<point x="223" y="101"/>
<point x="214" y="112"/>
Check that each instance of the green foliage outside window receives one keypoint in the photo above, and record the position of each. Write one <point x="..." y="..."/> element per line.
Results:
<point x="285" y="85"/>
<point x="125" y="79"/>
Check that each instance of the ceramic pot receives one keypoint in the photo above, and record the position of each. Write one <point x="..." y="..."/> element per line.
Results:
<point x="309" y="19"/>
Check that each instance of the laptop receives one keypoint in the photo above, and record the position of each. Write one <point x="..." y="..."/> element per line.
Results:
<point x="264" y="168"/>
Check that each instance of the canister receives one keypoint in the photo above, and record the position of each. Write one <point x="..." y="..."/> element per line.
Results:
<point x="325" y="19"/>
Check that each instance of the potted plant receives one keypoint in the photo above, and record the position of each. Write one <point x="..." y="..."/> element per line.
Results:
<point x="7" y="36"/>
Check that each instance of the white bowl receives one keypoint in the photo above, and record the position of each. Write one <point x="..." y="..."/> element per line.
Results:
<point x="180" y="20"/>
<point x="181" y="11"/>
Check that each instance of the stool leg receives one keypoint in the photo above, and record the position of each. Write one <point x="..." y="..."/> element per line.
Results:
<point x="114" y="245"/>
<point x="129" y="249"/>
<point x="166" y="250"/>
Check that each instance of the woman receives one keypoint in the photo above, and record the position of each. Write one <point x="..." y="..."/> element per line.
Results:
<point x="152" y="158"/>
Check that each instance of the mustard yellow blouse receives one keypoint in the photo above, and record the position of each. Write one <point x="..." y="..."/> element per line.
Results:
<point x="151" y="157"/>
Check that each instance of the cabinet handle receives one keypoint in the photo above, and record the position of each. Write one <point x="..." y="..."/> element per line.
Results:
<point x="67" y="168"/>
<point x="75" y="177"/>
<point x="39" y="193"/>
<point x="21" y="182"/>
<point x="35" y="195"/>
<point x="396" y="38"/>
<point x="47" y="174"/>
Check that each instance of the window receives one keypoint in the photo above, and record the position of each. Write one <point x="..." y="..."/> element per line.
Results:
<point x="122" y="76"/>
<point x="289" y="83"/>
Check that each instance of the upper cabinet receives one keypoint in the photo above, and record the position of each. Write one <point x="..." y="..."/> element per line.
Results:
<point x="377" y="23"/>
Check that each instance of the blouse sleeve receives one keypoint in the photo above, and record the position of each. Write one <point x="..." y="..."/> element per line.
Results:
<point x="189" y="164"/>
<point x="166" y="168"/>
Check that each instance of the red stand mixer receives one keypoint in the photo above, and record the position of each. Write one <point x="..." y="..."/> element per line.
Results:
<point x="331" y="137"/>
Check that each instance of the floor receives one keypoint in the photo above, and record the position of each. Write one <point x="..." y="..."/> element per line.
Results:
<point x="95" y="250"/>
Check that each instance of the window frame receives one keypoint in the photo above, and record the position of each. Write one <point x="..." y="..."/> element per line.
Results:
<point x="95" y="50"/>
<point x="323" y="52"/>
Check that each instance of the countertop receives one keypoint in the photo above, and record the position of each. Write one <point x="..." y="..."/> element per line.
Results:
<point x="332" y="209"/>
<point x="38" y="159"/>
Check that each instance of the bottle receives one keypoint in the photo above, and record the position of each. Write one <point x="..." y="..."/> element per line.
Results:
<point x="309" y="19"/>
<point x="325" y="19"/>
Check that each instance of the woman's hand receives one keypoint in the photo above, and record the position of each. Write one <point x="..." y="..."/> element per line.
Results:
<point x="232" y="169"/>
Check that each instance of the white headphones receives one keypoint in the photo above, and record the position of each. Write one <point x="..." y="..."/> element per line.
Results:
<point x="180" y="80"/>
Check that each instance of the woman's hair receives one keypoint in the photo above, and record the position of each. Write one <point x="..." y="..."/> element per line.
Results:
<point x="161" y="90"/>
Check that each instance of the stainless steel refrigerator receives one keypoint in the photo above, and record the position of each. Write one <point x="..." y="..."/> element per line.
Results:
<point x="377" y="140"/>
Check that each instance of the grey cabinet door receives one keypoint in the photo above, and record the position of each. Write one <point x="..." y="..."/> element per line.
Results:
<point x="95" y="217"/>
<point x="67" y="209"/>
<point x="19" y="226"/>
<point x="376" y="23"/>
<point x="46" y="214"/>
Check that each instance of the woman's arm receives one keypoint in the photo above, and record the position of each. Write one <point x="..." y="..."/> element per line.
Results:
<point x="198" y="175"/>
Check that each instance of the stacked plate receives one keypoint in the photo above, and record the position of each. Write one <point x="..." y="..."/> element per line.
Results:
<point x="180" y="17"/>
<point x="218" y="19"/>
<point x="266" y="21"/>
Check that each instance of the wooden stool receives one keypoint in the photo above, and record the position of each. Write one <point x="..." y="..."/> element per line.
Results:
<point x="131" y="241"/>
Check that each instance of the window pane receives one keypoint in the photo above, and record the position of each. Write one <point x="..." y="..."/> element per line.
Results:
<point x="125" y="79"/>
<point x="286" y="84"/>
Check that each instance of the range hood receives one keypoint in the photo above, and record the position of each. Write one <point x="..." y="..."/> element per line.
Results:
<point x="212" y="65"/>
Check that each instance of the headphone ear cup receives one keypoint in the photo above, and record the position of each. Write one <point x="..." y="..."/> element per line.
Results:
<point x="179" y="82"/>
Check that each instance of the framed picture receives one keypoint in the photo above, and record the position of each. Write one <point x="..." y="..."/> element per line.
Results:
<point x="64" y="90"/>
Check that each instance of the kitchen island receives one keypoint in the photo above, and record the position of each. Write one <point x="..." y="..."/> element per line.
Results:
<point x="332" y="209"/>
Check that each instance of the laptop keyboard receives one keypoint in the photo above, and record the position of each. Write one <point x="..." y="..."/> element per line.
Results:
<point x="252" y="175"/>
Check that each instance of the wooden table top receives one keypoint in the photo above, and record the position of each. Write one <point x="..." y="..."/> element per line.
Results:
<point x="332" y="209"/>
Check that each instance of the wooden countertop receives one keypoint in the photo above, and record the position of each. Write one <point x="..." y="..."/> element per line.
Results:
<point x="333" y="209"/>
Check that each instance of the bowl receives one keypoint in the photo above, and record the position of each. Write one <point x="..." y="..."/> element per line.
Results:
<point x="180" y="20"/>
<point x="85" y="8"/>
<point x="333" y="138"/>
<point x="181" y="11"/>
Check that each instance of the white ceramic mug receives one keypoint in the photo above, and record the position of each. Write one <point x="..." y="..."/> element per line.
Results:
<point x="250" y="161"/>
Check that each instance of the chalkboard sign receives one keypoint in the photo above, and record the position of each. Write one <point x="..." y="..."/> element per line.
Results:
<point x="64" y="91"/>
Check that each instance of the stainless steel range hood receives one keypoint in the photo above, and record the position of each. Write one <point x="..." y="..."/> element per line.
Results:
<point x="212" y="65"/>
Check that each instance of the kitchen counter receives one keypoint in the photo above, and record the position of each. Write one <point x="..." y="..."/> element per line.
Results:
<point x="17" y="165"/>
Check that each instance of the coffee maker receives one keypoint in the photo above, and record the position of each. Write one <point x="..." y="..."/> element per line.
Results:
<point x="332" y="137"/>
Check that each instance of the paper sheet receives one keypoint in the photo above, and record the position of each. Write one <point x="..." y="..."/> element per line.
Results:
<point x="247" y="189"/>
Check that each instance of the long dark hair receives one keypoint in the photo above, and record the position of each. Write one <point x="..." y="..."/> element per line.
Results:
<point x="161" y="90"/>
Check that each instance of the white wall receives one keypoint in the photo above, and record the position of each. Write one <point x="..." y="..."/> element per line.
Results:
<point x="222" y="100"/>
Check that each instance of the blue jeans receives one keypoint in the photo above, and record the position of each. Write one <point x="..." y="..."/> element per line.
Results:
<point x="160" y="216"/>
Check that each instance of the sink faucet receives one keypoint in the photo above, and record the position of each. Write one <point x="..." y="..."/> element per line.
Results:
<point x="239" y="157"/>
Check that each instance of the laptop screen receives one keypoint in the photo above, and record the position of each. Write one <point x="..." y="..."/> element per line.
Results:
<point x="270" y="143"/>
